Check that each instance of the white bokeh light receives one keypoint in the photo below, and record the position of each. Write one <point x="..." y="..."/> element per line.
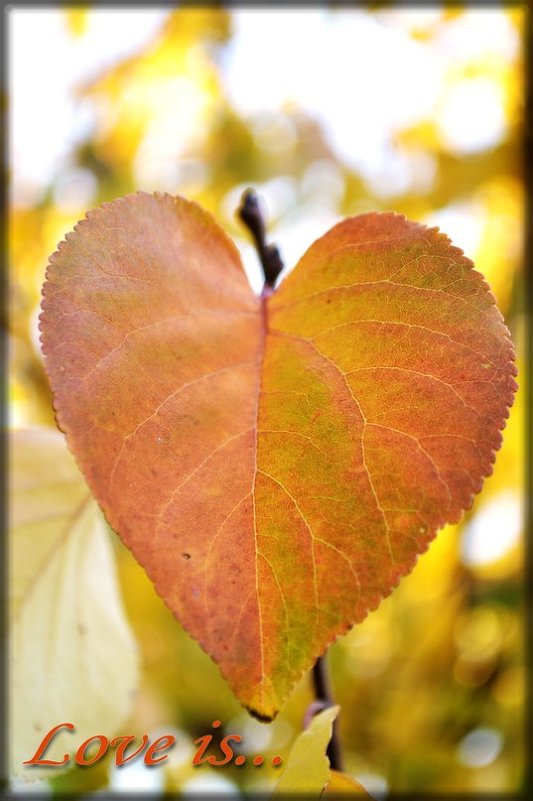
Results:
<point x="480" y="747"/>
<point x="463" y="223"/>
<point x="45" y="121"/>
<point x="472" y="116"/>
<point x="207" y="784"/>
<point x="136" y="777"/>
<point x="493" y="531"/>
<point x="358" y="77"/>
<point x="476" y="33"/>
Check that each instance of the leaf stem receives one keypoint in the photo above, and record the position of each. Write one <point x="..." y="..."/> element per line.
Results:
<point x="251" y="215"/>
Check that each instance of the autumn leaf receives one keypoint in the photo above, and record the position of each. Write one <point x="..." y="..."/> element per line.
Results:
<point x="69" y="638"/>
<point x="276" y="464"/>
<point x="307" y="769"/>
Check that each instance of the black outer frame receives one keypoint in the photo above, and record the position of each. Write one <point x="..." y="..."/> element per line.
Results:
<point x="527" y="165"/>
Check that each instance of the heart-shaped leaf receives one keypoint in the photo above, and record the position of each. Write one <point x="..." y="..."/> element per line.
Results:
<point x="275" y="463"/>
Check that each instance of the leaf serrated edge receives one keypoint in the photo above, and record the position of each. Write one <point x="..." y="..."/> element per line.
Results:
<point x="396" y="574"/>
<point x="510" y="389"/>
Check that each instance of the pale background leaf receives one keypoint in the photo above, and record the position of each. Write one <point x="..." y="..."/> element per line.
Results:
<point x="72" y="656"/>
<point x="307" y="770"/>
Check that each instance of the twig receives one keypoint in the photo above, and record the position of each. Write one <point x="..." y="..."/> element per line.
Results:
<point x="323" y="695"/>
<point x="250" y="213"/>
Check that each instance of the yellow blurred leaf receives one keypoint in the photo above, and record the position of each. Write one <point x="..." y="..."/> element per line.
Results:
<point x="77" y="20"/>
<point x="341" y="783"/>
<point x="161" y="100"/>
<point x="72" y="655"/>
<point x="307" y="770"/>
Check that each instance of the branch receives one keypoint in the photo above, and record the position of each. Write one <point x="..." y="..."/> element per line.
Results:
<point x="251" y="215"/>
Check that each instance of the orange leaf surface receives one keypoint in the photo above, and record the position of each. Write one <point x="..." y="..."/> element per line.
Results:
<point x="276" y="464"/>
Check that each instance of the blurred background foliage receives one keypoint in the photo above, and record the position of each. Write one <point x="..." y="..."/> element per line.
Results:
<point x="327" y="113"/>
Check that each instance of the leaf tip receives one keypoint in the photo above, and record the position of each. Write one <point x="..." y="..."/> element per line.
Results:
<point x="260" y="716"/>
